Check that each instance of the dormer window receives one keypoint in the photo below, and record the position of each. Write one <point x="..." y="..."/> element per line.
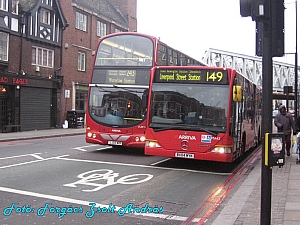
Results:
<point x="45" y="16"/>
<point x="14" y="8"/>
<point x="3" y="5"/>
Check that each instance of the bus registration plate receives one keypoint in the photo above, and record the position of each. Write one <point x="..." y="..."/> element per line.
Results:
<point x="184" y="155"/>
<point x="114" y="142"/>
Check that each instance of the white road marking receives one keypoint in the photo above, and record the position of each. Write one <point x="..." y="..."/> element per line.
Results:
<point x="39" y="160"/>
<point x="143" y="166"/>
<point x="103" y="148"/>
<point x="18" y="156"/>
<point x="81" y="202"/>
<point x="161" y="161"/>
<point x="82" y="147"/>
<point x="36" y="156"/>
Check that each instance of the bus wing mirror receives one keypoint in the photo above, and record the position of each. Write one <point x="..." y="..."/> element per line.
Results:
<point x="237" y="93"/>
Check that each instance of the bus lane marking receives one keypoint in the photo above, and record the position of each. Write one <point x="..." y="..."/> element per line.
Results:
<point x="108" y="176"/>
<point x="82" y="148"/>
<point x="34" y="161"/>
<point x="18" y="156"/>
<point x="143" y="166"/>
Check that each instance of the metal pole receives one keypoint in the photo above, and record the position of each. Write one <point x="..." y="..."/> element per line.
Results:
<point x="296" y="66"/>
<point x="267" y="89"/>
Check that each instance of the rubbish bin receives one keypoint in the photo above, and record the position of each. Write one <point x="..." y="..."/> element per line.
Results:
<point x="72" y="119"/>
<point x="76" y="118"/>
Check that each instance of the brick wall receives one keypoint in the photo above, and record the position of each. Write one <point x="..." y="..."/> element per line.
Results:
<point x="128" y="9"/>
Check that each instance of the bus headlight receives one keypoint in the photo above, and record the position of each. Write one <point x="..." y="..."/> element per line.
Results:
<point x="152" y="144"/>
<point x="142" y="139"/>
<point x="222" y="150"/>
<point x="90" y="134"/>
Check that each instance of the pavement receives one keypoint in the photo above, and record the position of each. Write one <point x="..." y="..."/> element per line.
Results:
<point x="242" y="207"/>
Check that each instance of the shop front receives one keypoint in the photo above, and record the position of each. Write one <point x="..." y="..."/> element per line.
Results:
<point x="27" y="103"/>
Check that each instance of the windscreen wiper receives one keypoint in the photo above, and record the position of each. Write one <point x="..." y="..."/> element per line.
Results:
<point x="183" y="128"/>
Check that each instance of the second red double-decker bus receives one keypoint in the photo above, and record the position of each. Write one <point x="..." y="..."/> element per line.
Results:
<point x="118" y="89"/>
<point x="203" y="113"/>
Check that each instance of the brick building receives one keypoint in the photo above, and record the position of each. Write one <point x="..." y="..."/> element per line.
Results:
<point x="46" y="54"/>
<point x="88" y="20"/>
<point x="30" y="55"/>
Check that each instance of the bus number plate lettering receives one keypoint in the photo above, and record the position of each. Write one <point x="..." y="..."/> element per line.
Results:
<point x="184" y="155"/>
<point x="114" y="143"/>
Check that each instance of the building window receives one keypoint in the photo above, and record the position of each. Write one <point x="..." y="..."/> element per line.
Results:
<point x="45" y="16"/>
<point x="48" y="2"/>
<point x="101" y="29"/>
<point x="3" y="5"/>
<point x="14" y="8"/>
<point x="3" y="46"/>
<point x="81" y="21"/>
<point x="81" y="61"/>
<point x="42" y="57"/>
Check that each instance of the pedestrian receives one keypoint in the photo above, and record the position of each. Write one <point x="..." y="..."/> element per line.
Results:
<point x="284" y="122"/>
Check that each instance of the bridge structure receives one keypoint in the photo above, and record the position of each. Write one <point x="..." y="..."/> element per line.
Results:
<point x="251" y="67"/>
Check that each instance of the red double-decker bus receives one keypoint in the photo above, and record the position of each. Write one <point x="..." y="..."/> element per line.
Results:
<point x="203" y="113"/>
<point x="118" y="89"/>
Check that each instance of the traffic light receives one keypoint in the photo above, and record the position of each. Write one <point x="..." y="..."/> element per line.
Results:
<point x="277" y="7"/>
<point x="260" y="11"/>
<point x="257" y="9"/>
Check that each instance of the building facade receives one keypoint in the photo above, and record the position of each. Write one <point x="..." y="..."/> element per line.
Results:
<point x="47" y="49"/>
<point x="30" y="56"/>
<point x="88" y="20"/>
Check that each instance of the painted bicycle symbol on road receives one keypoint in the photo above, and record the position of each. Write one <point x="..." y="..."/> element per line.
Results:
<point x="104" y="177"/>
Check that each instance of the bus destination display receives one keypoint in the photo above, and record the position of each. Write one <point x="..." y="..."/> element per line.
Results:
<point x="200" y="76"/>
<point x="120" y="77"/>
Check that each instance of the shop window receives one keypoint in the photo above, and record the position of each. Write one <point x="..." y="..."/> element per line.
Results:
<point x="80" y="100"/>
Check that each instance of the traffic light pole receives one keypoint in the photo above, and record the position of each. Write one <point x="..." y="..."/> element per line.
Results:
<point x="269" y="16"/>
<point x="267" y="87"/>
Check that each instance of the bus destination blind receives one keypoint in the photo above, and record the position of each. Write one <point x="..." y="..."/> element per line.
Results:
<point x="199" y="76"/>
<point x="121" y="76"/>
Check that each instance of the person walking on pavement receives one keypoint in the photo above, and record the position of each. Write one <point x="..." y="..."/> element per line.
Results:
<point x="284" y="122"/>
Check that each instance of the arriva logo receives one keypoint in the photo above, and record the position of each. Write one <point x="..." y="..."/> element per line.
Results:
<point x="186" y="137"/>
<point x="114" y="130"/>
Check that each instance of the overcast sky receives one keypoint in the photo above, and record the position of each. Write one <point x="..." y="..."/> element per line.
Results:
<point x="194" y="26"/>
